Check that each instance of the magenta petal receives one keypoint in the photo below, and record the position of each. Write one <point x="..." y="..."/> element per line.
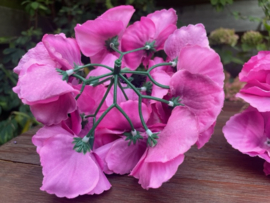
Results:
<point x="56" y="111"/>
<point x="91" y="35"/>
<point x="245" y="131"/>
<point x="256" y="101"/>
<point x="205" y="136"/>
<point x="67" y="173"/>
<point x="122" y="158"/>
<point x="162" y="19"/>
<point x="121" y="123"/>
<point x="175" y="138"/>
<point x="154" y="174"/>
<point x="63" y="50"/>
<point x="135" y="37"/>
<point x="190" y="35"/>
<point x="266" y="168"/>
<point x="39" y="55"/>
<point x="201" y="60"/>
<point x="198" y="92"/>
<point x="119" y="13"/>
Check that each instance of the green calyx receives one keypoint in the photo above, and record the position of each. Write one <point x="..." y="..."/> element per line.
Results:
<point x="132" y="138"/>
<point x="112" y="42"/>
<point x="152" y="140"/>
<point x="176" y="101"/>
<point x="80" y="145"/>
<point x="148" y="86"/>
<point x="150" y="47"/>
<point x="63" y="73"/>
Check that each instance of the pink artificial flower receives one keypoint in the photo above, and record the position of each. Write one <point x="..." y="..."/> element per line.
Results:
<point x="41" y="86"/>
<point x="256" y="74"/>
<point x="249" y="132"/>
<point x="67" y="173"/>
<point x="93" y="35"/>
<point x="154" y="28"/>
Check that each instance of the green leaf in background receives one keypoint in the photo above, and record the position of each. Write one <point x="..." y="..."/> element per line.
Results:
<point x="8" y="130"/>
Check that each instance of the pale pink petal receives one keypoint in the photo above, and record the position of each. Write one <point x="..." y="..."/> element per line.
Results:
<point x="175" y="138"/>
<point x="245" y="131"/>
<point x="91" y="35"/>
<point x="120" y="13"/>
<point x="56" y="111"/>
<point x="39" y="55"/>
<point x="44" y="82"/>
<point x="154" y="174"/>
<point x="201" y="60"/>
<point x="122" y="158"/>
<point x="198" y="92"/>
<point x="104" y="135"/>
<point x="73" y="123"/>
<point x="190" y="35"/>
<point x="163" y="36"/>
<point x="64" y="50"/>
<point x="266" y="168"/>
<point x="67" y="173"/>
<point x="135" y="37"/>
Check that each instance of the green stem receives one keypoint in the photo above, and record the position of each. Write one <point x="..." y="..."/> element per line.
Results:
<point x="98" y="77"/>
<point x="83" y="86"/>
<point x="93" y="64"/>
<point x="103" y="99"/>
<point x="115" y="89"/>
<point x="159" y="64"/>
<point x="123" y="91"/>
<point x="155" y="98"/>
<point x="156" y="83"/>
<point x="125" y="115"/>
<point x="99" y="120"/>
<point x="102" y="81"/>
<point x="79" y="77"/>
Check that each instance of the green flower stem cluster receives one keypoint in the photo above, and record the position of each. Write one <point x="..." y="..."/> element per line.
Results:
<point x="86" y="144"/>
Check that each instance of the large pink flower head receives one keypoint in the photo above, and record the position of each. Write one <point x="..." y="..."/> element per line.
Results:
<point x="256" y="74"/>
<point x="124" y="119"/>
<point x="41" y="86"/>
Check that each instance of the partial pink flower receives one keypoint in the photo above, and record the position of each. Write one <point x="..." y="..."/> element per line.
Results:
<point x="67" y="173"/>
<point x="256" y="74"/>
<point x="248" y="132"/>
<point x="160" y="163"/>
<point x="93" y="35"/>
<point x="155" y="28"/>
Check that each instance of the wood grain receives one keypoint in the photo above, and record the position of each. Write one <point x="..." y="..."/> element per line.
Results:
<point x="215" y="173"/>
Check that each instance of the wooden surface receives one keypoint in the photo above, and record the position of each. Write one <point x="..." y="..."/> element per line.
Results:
<point x="215" y="173"/>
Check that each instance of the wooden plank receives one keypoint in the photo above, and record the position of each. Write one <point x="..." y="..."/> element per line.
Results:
<point x="215" y="173"/>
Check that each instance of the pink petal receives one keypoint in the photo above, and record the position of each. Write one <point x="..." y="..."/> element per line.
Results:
<point x="44" y="82"/>
<point x="64" y="169"/>
<point x="175" y="138"/>
<point x="56" y="111"/>
<point x="198" y="92"/>
<point x="73" y="123"/>
<point x="91" y="35"/>
<point x="122" y="158"/>
<point x="163" y="36"/>
<point x="119" y="13"/>
<point x="256" y="101"/>
<point x="39" y="55"/>
<point x="131" y="109"/>
<point x="162" y="19"/>
<point x="190" y="35"/>
<point x="205" y="136"/>
<point x="64" y="50"/>
<point x="201" y="60"/>
<point x="245" y="131"/>
<point x="135" y="37"/>
<point x="153" y="174"/>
